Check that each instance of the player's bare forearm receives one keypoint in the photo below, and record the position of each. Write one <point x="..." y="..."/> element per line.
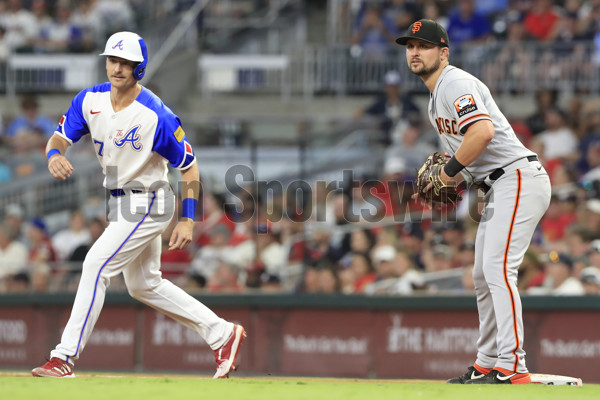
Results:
<point x="182" y="234"/>
<point x="479" y="134"/>
<point x="58" y="165"/>
<point x="190" y="179"/>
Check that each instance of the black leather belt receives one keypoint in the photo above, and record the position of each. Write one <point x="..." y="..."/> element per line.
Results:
<point x="121" y="192"/>
<point x="498" y="173"/>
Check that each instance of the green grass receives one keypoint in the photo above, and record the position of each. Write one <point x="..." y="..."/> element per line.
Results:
<point x="169" y="387"/>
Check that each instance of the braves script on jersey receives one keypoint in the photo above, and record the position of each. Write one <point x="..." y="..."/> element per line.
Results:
<point x="140" y="139"/>
<point x="460" y="99"/>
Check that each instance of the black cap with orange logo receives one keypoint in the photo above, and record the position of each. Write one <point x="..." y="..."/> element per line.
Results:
<point x="427" y="30"/>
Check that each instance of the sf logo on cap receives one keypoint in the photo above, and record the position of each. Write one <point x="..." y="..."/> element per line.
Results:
<point x="119" y="45"/>
<point x="416" y="27"/>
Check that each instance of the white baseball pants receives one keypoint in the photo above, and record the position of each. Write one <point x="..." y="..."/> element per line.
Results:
<point x="131" y="244"/>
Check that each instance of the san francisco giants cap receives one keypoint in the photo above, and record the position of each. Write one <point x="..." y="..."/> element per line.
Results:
<point x="427" y="30"/>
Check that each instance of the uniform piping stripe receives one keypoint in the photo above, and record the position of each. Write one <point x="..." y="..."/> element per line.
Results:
<point x="482" y="115"/>
<point x="100" y="272"/>
<point x="505" y="269"/>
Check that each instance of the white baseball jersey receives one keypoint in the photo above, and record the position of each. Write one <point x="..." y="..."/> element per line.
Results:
<point x="460" y="99"/>
<point x="140" y="139"/>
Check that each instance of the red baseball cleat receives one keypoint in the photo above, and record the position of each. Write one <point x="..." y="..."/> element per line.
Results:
<point x="54" y="368"/>
<point x="226" y="355"/>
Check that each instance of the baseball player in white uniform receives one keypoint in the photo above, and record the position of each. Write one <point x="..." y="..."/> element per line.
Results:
<point x="486" y="152"/>
<point x="135" y="136"/>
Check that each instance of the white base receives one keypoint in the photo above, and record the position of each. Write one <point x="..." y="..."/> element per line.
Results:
<point x="547" y="379"/>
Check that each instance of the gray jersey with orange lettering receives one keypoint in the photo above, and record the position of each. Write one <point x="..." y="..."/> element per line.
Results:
<point x="460" y="99"/>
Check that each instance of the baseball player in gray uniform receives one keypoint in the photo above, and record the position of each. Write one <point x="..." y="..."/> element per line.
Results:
<point x="484" y="151"/>
<point x="135" y="137"/>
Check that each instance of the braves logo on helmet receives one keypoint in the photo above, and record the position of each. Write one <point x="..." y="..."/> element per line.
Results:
<point x="119" y="45"/>
<point x="416" y="27"/>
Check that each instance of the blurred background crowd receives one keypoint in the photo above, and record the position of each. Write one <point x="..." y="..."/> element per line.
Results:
<point x="357" y="235"/>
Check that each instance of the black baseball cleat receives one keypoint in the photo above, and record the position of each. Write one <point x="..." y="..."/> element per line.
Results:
<point x="472" y="373"/>
<point x="498" y="377"/>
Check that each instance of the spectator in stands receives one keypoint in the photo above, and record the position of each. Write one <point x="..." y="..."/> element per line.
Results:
<point x="591" y="216"/>
<point x="560" y="280"/>
<point x="578" y="241"/>
<point x="594" y="254"/>
<point x="310" y="279"/>
<point x="339" y="243"/>
<point x="383" y="262"/>
<point x="94" y="229"/>
<point x="542" y="20"/>
<point x="438" y="258"/>
<point x="41" y="253"/>
<point x="212" y="254"/>
<point x="465" y="255"/>
<point x="87" y="19"/>
<point x="18" y="283"/>
<point x="391" y="107"/>
<point x="363" y="205"/>
<point x="544" y="99"/>
<point x="411" y="242"/>
<point x="62" y="35"/>
<point x="372" y="34"/>
<point x="467" y="26"/>
<point x="431" y="10"/>
<point x="512" y="67"/>
<point x="20" y="26"/>
<point x="403" y="279"/>
<point x="409" y="145"/>
<point x="531" y="272"/>
<point x="30" y="129"/>
<point x="13" y="254"/>
<point x="115" y="16"/>
<point x="67" y="240"/>
<point x="212" y="214"/>
<point x="361" y="241"/>
<point x="67" y="274"/>
<point x="361" y="271"/>
<point x="41" y="250"/>
<point x="43" y="20"/>
<point x="560" y="143"/>
<point x="555" y="222"/>
<point x="14" y="215"/>
<point x="261" y="257"/>
<point x="589" y="145"/>
<point x="402" y="12"/>
<point x="224" y="279"/>
<point x="590" y="280"/>
<point x="328" y="282"/>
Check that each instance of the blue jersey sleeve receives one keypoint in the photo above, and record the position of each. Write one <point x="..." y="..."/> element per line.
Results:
<point x="171" y="143"/>
<point x="72" y="125"/>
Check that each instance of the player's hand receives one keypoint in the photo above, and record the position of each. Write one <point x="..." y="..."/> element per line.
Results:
<point x="182" y="234"/>
<point x="60" y="167"/>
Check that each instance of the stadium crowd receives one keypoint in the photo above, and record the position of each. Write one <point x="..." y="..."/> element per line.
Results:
<point x="244" y="242"/>
<point x="365" y="236"/>
<point x="375" y="24"/>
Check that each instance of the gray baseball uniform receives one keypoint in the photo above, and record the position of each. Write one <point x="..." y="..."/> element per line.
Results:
<point x="518" y="194"/>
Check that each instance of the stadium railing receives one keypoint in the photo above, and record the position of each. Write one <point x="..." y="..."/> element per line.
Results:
<point x="312" y="69"/>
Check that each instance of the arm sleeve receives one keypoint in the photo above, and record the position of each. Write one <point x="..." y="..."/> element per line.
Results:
<point x="463" y="98"/>
<point x="171" y="143"/>
<point x="72" y="126"/>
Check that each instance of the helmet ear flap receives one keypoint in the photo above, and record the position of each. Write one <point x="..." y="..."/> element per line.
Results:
<point x="140" y="69"/>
